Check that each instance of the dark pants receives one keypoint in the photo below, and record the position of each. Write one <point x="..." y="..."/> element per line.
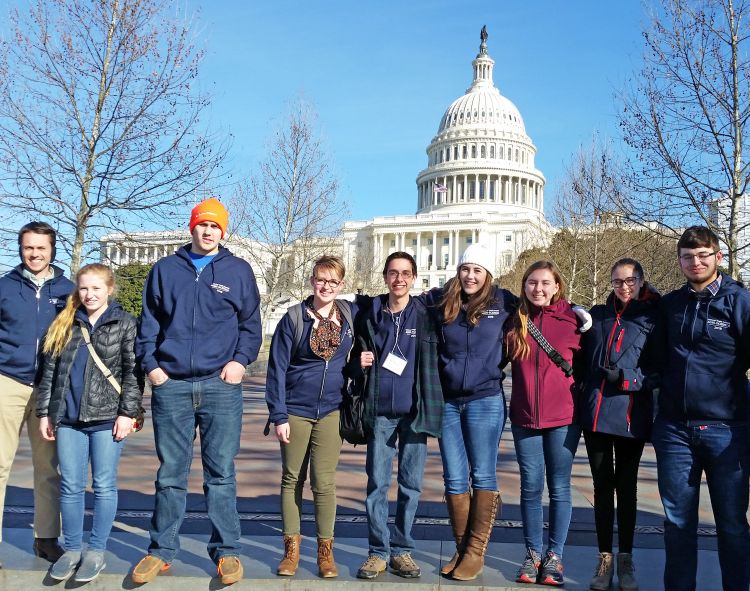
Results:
<point x="614" y="464"/>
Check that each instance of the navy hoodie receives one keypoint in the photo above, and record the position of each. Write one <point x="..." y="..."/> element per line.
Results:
<point x="26" y="311"/>
<point x="706" y="340"/>
<point x="471" y="357"/>
<point x="304" y="385"/>
<point x="193" y="324"/>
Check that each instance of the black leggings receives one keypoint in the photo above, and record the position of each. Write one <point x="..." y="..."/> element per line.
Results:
<point x="618" y="473"/>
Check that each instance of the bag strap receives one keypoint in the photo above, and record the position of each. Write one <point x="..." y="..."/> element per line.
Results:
<point x="554" y="355"/>
<point x="295" y="315"/>
<point x="99" y="363"/>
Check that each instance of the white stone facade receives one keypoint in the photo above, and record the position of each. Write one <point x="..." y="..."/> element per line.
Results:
<point x="480" y="185"/>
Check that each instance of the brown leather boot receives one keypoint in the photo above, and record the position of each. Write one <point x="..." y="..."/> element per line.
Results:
<point x="289" y="563"/>
<point x="458" y="511"/>
<point x="485" y="505"/>
<point x="326" y="564"/>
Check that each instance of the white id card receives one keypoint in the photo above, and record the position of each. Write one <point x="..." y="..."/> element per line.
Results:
<point x="395" y="364"/>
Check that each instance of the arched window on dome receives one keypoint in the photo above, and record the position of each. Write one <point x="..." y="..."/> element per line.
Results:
<point x="440" y="157"/>
<point x="455" y="152"/>
<point x="447" y="154"/>
<point x="465" y="155"/>
<point x="501" y="153"/>
<point x="516" y="154"/>
<point x="473" y="151"/>
<point x="481" y="190"/>
<point x="492" y="151"/>
<point x="492" y="190"/>
<point x="483" y="151"/>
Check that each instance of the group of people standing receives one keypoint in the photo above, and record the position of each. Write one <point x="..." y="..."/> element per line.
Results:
<point x="430" y="365"/>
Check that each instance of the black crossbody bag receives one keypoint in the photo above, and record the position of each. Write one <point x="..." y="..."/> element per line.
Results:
<point x="554" y="355"/>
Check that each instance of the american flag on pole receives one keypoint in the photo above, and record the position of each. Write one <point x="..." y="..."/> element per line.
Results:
<point x="440" y="188"/>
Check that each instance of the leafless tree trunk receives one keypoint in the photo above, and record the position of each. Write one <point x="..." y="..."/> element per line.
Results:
<point x="685" y="119"/>
<point x="291" y="207"/>
<point x="100" y="119"/>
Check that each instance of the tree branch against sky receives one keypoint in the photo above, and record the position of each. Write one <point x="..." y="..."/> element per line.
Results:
<point x="100" y="118"/>
<point x="292" y="208"/>
<point x="685" y="119"/>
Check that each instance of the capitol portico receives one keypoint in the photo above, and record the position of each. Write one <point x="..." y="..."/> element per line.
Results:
<point x="480" y="185"/>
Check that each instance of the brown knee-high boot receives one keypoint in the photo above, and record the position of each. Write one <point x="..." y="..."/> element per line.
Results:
<point x="290" y="561"/>
<point x="458" y="511"/>
<point x="485" y="505"/>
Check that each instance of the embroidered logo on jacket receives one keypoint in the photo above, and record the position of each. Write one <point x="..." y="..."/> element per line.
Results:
<point x="718" y="324"/>
<point x="491" y="312"/>
<point x="411" y="332"/>
<point x="220" y="288"/>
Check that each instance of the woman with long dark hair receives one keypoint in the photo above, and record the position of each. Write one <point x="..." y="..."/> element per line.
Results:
<point x="542" y="416"/>
<point x="616" y="408"/>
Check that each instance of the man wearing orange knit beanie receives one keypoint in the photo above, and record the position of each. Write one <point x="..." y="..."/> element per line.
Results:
<point x="199" y="328"/>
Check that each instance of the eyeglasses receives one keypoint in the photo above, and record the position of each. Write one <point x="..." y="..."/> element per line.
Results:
<point x="701" y="256"/>
<point x="629" y="281"/>
<point x="396" y="274"/>
<point x="332" y="283"/>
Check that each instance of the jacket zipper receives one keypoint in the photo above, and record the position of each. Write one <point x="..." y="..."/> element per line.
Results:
<point x="630" y="410"/>
<point x="36" y="350"/>
<point x="537" y="412"/>
<point x="606" y="361"/>
<point x="192" y="326"/>
<point x="690" y="354"/>
<point x="322" y="385"/>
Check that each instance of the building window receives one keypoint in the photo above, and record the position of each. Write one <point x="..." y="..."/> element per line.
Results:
<point x="455" y="153"/>
<point x="501" y="153"/>
<point x="481" y="190"/>
<point x="473" y="151"/>
<point x="425" y="283"/>
<point x="483" y="152"/>
<point x="413" y="241"/>
<point x="445" y="261"/>
<point x="441" y="157"/>
<point x="508" y="237"/>
<point x="441" y="281"/>
<point x="507" y="259"/>
<point x="447" y="154"/>
<point x="469" y="240"/>
<point x="464" y="152"/>
<point x="429" y="241"/>
<point x="492" y="191"/>
<point x="492" y="151"/>
<point x="516" y="154"/>
<point x="393" y="243"/>
<point x="446" y="240"/>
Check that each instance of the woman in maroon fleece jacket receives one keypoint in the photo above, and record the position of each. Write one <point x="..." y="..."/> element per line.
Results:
<point x="542" y="417"/>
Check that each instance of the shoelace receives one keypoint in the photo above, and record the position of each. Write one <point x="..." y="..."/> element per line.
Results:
<point x="371" y="563"/>
<point x="324" y="551"/>
<point x="289" y="546"/>
<point x="603" y="564"/>
<point x="407" y="562"/>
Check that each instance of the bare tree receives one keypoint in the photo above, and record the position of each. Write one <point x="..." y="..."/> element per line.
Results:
<point x="99" y="117"/>
<point x="685" y="119"/>
<point x="292" y="209"/>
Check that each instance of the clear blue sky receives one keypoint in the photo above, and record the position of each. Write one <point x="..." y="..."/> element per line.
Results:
<point x="381" y="74"/>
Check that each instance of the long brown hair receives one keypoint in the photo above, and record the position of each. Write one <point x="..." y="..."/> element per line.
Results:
<point x="61" y="329"/>
<point x="454" y="297"/>
<point x="518" y="348"/>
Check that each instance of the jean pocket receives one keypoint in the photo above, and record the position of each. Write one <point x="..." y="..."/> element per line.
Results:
<point x="223" y="381"/>
<point x="164" y="383"/>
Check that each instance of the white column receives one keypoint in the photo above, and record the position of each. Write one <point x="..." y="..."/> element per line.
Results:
<point x="455" y="195"/>
<point x="419" y="247"/>
<point x="450" y="247"/>
<point x="434" y="249"/>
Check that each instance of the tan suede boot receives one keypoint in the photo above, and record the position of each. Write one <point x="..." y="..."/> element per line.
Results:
<point x="289" y="563"/>
<point x="326" y="564"/>
<point x="458" y="511"/>
<point x="485" y="504"/>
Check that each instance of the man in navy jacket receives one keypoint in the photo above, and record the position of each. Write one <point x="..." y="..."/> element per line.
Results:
<point x="701" y="425"/>
<point x="31" y="295"/>
<point x="200" y="327"/>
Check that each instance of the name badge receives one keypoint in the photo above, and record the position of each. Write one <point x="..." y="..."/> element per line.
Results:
<point x="395" y="364"/>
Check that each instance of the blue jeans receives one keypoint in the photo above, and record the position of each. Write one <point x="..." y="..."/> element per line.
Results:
<point x="682" y="455"/>
<point x="537" y="451"/>
<point x="75" y="448"/>
<point x="412" y="453"/>
<point x="214" y="407"/>
<point x="468" y="445"/>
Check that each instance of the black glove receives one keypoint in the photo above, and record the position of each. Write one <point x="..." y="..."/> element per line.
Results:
<point x="612" y="374"/>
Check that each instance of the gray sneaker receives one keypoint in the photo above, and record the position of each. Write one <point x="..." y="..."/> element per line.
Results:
<point x="65" y="565"/>
<point x="371" y="567"/>
<point x="404" y="566"/>
<point x="92" y="564"/>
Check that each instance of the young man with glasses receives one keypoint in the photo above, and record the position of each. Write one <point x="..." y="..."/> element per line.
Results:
<point x="199" y="329"/>
<point x="403" y="406"/>
<point x="701" y="425"/>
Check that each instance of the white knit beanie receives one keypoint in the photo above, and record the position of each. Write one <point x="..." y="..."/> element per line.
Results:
<point x="478" y="254"/>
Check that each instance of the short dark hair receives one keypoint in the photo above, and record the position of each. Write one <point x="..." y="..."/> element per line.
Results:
<point x="400" y="255"/>
<point x="38" y="228"/>
<point x="698" y="237"/>
<point x="624" y="262"/>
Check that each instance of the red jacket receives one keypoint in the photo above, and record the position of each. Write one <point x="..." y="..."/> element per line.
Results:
<point x="542" y="396"/>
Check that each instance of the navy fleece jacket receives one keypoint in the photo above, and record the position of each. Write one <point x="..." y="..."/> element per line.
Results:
<point x="304" y="385"/>
<point x="706" y="340"/>
<point x="26" y="311"/>
<point x="193" y="324"/>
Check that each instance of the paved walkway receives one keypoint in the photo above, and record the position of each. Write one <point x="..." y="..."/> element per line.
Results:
<point x="258" y="483"/>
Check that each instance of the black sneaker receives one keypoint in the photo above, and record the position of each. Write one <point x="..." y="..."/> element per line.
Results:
<point x="529" y="571"/>
<point x="551" y="572"/>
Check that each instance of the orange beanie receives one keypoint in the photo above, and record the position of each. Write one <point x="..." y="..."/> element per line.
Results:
<point x="210" y="210"/>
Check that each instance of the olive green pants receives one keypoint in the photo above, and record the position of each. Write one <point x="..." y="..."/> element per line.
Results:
<point x="317" y="444"/>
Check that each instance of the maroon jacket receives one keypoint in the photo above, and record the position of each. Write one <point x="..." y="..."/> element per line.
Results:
<point x="542" y="397"/>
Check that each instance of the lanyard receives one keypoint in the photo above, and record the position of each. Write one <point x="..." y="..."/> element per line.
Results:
<point x="396" y="319"/>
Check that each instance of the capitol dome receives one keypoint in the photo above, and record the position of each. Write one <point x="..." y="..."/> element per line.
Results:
<point x="481" y="157"/>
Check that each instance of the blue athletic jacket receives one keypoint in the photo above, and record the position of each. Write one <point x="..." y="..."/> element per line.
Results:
<point x="471" y="357"/>
<point x="304" y="385"/>
<point x="26" y="311"/>
<point x="622" y="338"/>
<point x="193" y="325"/>
<point x="706" y="341"/>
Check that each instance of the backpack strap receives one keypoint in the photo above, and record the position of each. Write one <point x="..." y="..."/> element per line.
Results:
<point x="295" y="315"/>
<point x="554" y="355"/>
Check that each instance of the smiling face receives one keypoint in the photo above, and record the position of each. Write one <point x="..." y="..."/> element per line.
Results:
<point x="36" y="253"/>
<point x="626" y="283"/>
<point x="94" y="293"/>
<point x="540" y="287"/>
<point x="700" y="266"/>
<point x="326" y="284"/>
<point x="206" y="236"/>
<point x="399" y="277"/>
<point x="472" y="278"/>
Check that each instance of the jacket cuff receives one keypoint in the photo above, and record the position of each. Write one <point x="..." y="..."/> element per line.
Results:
<point x="631" y="380"/>
<point x="242" y="359"/>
